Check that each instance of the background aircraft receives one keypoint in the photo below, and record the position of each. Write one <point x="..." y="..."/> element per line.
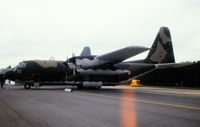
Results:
<point x="3" y="72"/>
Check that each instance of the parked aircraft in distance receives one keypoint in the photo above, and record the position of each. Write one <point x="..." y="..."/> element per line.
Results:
<point x="95" y="71"/>
<point x="3" y="71"/>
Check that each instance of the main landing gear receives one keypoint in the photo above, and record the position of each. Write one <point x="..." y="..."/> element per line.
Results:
<point x="28" y="85"/>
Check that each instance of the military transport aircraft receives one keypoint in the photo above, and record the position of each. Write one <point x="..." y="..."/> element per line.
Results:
<point x="66" y="72"/>
<point x="95" y="71"/>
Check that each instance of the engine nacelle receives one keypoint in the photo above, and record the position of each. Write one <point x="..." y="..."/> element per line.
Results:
<point x="92" y="84"/>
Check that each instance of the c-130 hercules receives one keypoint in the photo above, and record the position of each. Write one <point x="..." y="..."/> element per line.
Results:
<point x="95" y="71"/>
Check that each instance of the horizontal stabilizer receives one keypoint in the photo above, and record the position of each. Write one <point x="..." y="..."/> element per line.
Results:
<point x="173" y="65"/>
<point x="163" y="66"/>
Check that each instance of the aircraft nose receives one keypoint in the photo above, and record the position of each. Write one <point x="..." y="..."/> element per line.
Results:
<point x="10" y="75"/>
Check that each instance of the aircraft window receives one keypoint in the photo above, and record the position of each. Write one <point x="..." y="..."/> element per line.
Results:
<point x="3" y="70"/>
<point x="21" y="65"/>
<point x="15" y="68"/>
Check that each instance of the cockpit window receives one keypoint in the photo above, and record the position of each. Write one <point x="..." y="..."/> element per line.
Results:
<point x="21" y="65"/>
<point x="2" y="71"/>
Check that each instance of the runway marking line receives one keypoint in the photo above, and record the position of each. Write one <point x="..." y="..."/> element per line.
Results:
<point x="139" y="100"/>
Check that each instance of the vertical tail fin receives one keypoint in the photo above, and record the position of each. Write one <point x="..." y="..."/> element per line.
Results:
<point x="162" y="49"/>
<point x="86" y="51"/>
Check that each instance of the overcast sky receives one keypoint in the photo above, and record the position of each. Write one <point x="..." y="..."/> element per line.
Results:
<point x="40" y="29"/>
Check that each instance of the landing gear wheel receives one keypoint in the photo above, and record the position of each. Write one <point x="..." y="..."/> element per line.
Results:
<point x="27" y="86"/>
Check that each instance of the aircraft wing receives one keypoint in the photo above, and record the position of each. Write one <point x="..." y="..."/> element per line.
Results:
<point x="122" y="54"/>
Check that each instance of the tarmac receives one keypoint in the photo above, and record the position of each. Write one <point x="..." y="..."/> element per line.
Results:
<point x="120" y="106"/>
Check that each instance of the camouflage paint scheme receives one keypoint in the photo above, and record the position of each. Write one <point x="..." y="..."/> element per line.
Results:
<point x="40" y="70"/>
<point x="106" y="69"/>
<point x="162" y="49"/>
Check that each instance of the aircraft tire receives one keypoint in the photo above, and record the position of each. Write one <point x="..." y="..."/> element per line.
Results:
<point x="27" y="86"/>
